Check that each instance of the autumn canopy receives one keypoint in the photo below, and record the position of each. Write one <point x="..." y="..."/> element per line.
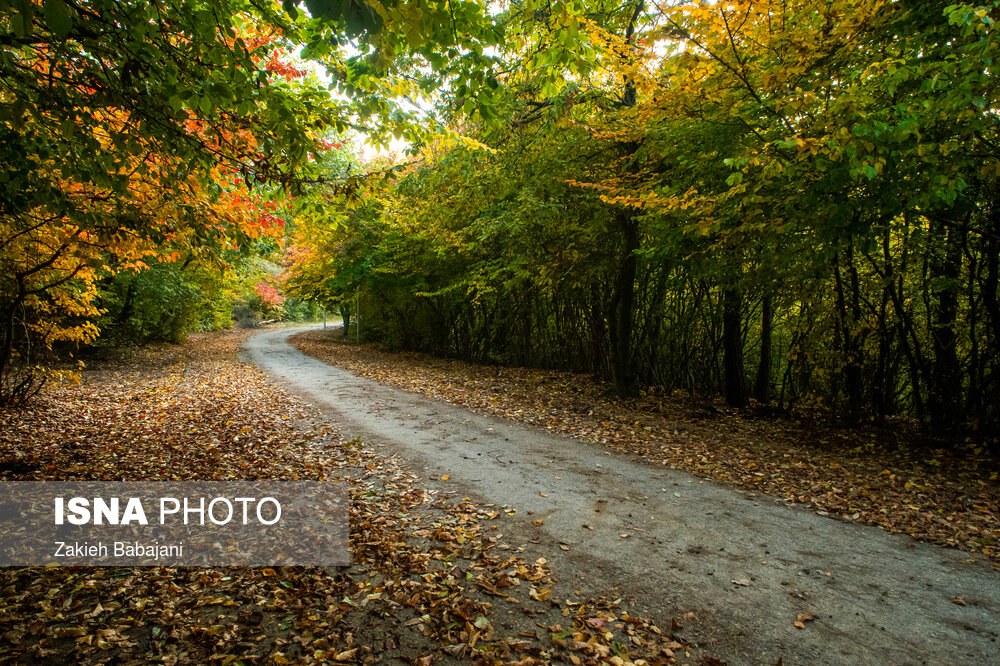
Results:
<point x="785" y="202"/>
<point x="677" y="266"/>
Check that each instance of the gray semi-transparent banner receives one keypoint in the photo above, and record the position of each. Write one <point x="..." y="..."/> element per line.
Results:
<point x="191" y="523"/>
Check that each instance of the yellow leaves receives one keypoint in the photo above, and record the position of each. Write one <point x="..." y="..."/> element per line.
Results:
<point x="596" y="186"/>
<point x="346" y="655"/>
<point x="811" y="145"/>
<point x="450" y="139"/>
<point x="734" y="54"/>
<point x="624" y="200"/>
<point x="615" y="192"/>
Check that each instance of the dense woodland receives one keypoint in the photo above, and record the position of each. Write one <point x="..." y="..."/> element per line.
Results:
<point x="623" y="213"/>
<point x="150" y="153"/>
<point x="788" y="203"/>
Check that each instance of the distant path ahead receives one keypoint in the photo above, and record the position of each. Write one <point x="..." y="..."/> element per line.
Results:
<point x="746" y="567"/>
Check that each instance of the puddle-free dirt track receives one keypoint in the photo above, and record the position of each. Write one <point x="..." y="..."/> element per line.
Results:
<point x="746" y="566"/>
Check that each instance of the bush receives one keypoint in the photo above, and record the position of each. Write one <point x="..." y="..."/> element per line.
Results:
<point x="247" y="312"/>
<point x="162" y="303"/>
<point x="295" y="309"/>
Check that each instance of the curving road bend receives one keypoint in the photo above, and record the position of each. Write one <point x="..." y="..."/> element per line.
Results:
<point x="746" y="566"/>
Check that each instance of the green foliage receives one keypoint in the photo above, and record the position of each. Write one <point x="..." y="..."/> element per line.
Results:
<point x="299" y="310"/>
<point x="163" y="303"/>
<point x="691" y="196"/>
<point x="136" y="133"/>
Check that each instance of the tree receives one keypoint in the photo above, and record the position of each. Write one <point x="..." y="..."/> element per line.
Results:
<point x="134" y="132"/>
<point x="672" y="194"/>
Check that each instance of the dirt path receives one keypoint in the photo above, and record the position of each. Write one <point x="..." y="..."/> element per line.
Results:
<point x="745" y="566"/>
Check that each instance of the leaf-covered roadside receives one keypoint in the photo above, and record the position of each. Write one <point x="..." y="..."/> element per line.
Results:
<point x="940" y="492"/>
<point x="431" y="578"/>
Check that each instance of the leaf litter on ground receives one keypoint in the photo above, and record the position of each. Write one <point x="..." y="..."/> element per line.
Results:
<point x="427" y="583"/>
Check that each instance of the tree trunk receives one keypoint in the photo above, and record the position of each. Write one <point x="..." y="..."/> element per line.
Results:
<point x="6" y="340"/>
<point x="848" y="315"/>
<point x="622" y="369"/>
<point x="945" y="398"/>
<point x="990" y="286"/>
<point x="907" y="330"/>
<point x="345" y="314"/>
<point x="622" y="363"/>
<point x="762" y="386"/>
<point x="128" y="307"/>
<point x="598" y="335"/>
<point x="732" y="348"/>
<point x="989" y="390"/>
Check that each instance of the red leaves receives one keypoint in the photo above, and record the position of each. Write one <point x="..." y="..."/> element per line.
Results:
<point x="282" y="68"/>
<point x="269" y="295"/>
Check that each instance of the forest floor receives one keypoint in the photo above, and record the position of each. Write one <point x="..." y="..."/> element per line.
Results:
<point x="474" y="538"/>
<point x="747" y="576"/>
<point x="432" y="579"/>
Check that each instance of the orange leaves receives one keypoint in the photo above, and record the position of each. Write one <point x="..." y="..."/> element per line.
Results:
<point x="277" y="65"/>
<point x="800" y="622"/>
<point x="170" y="258"/>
